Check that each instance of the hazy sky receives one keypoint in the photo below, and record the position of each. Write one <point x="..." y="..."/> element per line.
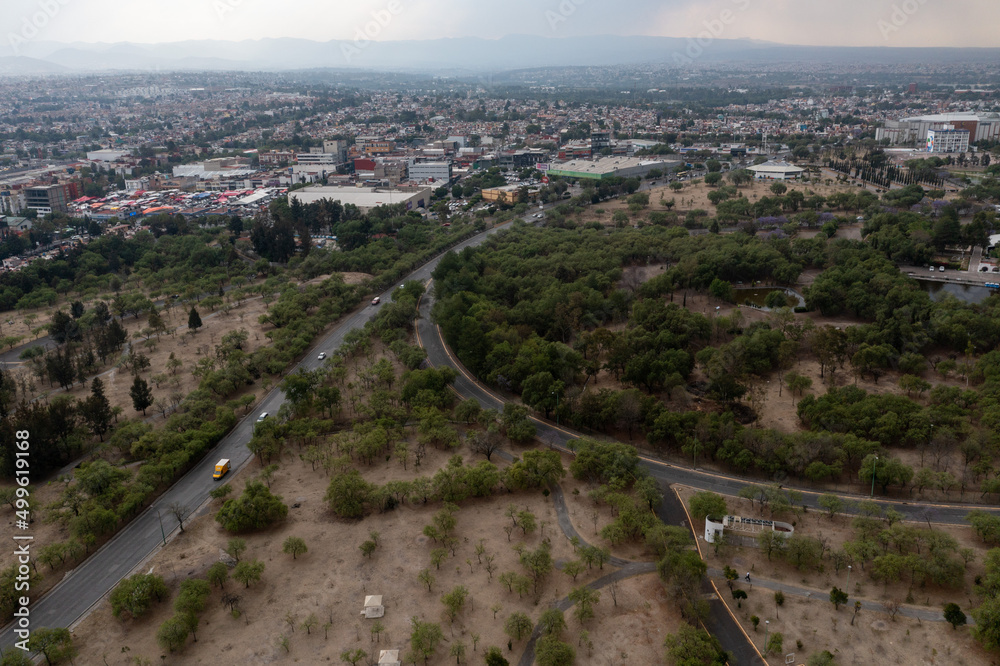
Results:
<point x="826" y="22"/>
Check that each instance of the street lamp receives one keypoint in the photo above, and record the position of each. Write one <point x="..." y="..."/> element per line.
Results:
<point x="767" y="625"/>
<point x="162" y="535"/>
<point x="557" y="406"/>
<point x="874" y="465"/>
<point x="848" y="590"/>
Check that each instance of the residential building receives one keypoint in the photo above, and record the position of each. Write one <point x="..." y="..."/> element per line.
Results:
<point x="52" y="198"/>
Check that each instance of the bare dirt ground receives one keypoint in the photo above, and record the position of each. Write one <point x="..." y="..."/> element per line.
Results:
<point x="874" y="638"/>
<point x="694" y="196"/>
<point x="174" y="385"/>
<point x="332" y="579"/>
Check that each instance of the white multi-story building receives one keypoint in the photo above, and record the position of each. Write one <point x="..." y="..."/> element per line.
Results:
<point x="913" y="131"/>
<point x="430" y="171"/>
<point x="947" y="140"/>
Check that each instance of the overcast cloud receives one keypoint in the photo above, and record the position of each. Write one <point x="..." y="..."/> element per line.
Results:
<point x="813" y="22"/>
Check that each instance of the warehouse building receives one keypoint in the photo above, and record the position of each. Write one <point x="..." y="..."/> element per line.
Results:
<point x="366" y="198"/>
<point x="609" y="167"/>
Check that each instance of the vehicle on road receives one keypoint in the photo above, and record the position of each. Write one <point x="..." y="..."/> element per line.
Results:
<point x="221" y="468"/>
<point x="376" y="300"/>
<point x="322" y="355"/>
<point x="263" y="415"/>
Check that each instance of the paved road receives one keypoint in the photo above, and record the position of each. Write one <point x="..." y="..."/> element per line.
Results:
<point x="438" y="354"/>
<point x="84" y="586"/>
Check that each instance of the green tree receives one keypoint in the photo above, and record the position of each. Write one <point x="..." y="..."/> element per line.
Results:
<point x="775" y="644"/>
<point x="255" y="509"/>
<point x="837" y="597"/>
<point x="824" y="658"/>
<point x="552" y="622"/>
<point x="348" y="494"/>
<point x="550" y="651"/>
<point x="55" y="644"/>
<point x="96" y="409"/>
<point x="194" y="320"/>
<point x="517" y="625"/>
<point x="694" y="647"/>
<point x="218" y="574"/>
<point x="454" y="601"/>
<point x="704" y="504"/>
<point x="192" y="596"/>
<point x="494" y="657"/>
<point x="584" y="600"/>
<point x="248" y="571"/>
<point x="236" y="547"/>
<point x="831" y="503"/>
<point x="953" y="615"/>
<point x="426" y="578"/>
<point x="294" y="546"/>
<point x="142" y="395"/>
<point x="352" y="657"/>
<point x="134" y="596"/>
<point x="424" y="638"/>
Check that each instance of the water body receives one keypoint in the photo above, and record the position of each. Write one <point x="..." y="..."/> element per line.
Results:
<point x="967" y="293"/>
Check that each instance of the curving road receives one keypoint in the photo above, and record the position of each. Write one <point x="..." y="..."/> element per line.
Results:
<point x="430" y="337"/>
<point x="87" y="584"/>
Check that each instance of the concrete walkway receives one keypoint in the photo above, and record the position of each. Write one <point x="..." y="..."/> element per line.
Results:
<point x="671" y="512"/>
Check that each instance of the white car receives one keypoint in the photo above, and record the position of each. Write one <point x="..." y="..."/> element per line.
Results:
<point x="263" y="415"/>
<point x="322" y="355"/>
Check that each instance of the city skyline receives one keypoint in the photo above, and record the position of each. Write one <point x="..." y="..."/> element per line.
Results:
<point x="899" y="23"/>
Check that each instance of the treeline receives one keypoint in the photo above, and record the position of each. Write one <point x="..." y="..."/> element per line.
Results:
<point x="171" y="260"/>
<point x="533" y="310"/>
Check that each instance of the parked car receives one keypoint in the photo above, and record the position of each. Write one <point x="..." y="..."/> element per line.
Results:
<point x="941" y="268"/>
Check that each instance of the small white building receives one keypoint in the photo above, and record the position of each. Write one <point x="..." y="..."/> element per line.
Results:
<point x="373" y="607"/>
<point x="388" y="658"/>
<point x="776" y="170"/>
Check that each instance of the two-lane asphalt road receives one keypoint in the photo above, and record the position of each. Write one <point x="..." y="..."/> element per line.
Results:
<point x="85" y="585"/>
<point x="438" y="354"/>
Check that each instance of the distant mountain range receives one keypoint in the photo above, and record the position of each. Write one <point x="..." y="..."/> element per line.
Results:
<point x="467" y="54"/>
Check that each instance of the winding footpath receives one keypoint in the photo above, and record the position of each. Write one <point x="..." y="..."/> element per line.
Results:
<point x="720" y="622"/>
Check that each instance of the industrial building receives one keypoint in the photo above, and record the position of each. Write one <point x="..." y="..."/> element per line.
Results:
<point x="947" y="140"/>
<point x="609" y="167"/>
<point x="366" y="198"/>
<point x="913" y="131"/>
